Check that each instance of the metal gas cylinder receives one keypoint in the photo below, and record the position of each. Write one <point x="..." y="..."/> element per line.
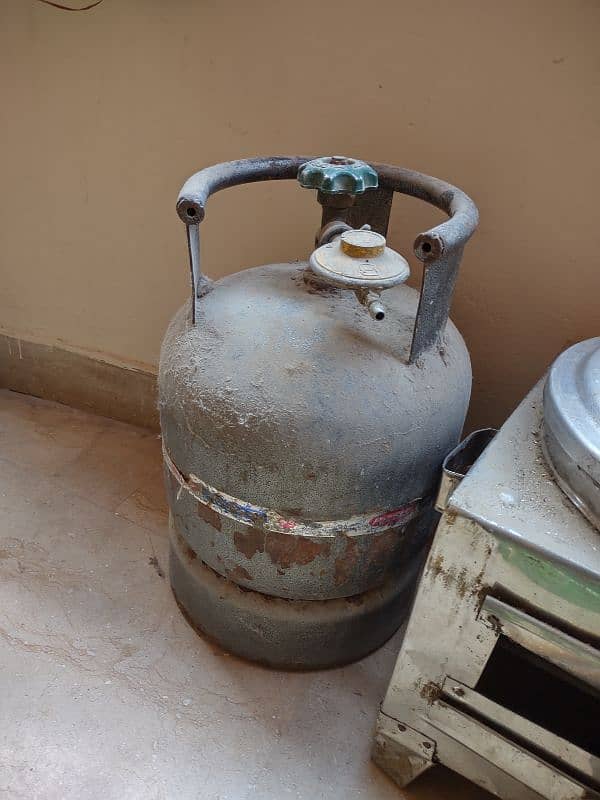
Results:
<point x="305" y="418"/>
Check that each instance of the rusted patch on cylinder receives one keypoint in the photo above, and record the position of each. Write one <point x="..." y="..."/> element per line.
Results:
<point x="286" y="550"/>
<point x="381" y="545"/>
<point x="345" y="565"/>
<point x="249" y="542"/>
<point x="210" y="516"/>
<point x="313" y="285"/>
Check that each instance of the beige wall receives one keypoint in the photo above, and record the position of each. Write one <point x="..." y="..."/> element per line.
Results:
<point x="106" y="112"/>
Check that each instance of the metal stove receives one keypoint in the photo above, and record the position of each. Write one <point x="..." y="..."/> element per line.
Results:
<point x="498" y="676"/>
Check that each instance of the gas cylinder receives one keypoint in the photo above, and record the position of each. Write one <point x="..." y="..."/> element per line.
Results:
<point x="305" y="411"/>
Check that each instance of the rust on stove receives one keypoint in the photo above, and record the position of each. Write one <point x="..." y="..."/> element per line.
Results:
<point x="462" y="585"/>
<point x="208" y="515"/>
<point x="345" y="565"/>
<point x="430" y="692"/>
<point x="458" y="579"/>
<point x="249" y="541"/>
<point x="450" y="518"/>
<point x="286" y="550"/>
<point x="436" y="565"/>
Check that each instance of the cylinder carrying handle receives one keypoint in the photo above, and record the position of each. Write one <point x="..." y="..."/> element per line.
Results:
<point x="199" y="187"/>
<point x="440" y="248"/>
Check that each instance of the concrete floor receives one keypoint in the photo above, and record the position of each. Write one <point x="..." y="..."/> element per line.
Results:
<point x="106" y="692"/>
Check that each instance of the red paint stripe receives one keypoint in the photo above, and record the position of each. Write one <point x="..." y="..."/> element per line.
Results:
<point x="395" y="517"/>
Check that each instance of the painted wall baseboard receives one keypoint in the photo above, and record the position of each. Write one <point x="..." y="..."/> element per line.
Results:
<point x="77" y="380"/>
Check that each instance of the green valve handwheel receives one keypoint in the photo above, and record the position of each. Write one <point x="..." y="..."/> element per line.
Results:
<point x="338" y="175"/>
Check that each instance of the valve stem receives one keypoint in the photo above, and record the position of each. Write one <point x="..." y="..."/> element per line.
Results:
<point x="372" y="302"/>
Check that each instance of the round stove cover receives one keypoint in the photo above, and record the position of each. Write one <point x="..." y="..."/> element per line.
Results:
<point x="571" y="431"/>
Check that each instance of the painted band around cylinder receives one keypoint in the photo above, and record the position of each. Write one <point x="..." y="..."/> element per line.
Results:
<point x="260" y="550"/>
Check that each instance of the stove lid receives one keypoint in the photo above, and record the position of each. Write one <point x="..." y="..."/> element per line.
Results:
<point x="571" y="429"/>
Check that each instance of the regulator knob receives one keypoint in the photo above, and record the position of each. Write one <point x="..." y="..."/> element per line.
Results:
<point x="338" y="175"/>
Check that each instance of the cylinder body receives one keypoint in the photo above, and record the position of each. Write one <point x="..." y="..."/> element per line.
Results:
<point x="302" y="453"/>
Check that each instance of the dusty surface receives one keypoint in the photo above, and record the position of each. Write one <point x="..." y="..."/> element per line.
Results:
<point x="512" y="491"/>
<point x="105" y="690"/>
<point x="315" y="398"/>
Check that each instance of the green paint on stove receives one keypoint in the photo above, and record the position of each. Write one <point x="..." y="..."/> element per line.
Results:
<point x="554" y="578"/>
